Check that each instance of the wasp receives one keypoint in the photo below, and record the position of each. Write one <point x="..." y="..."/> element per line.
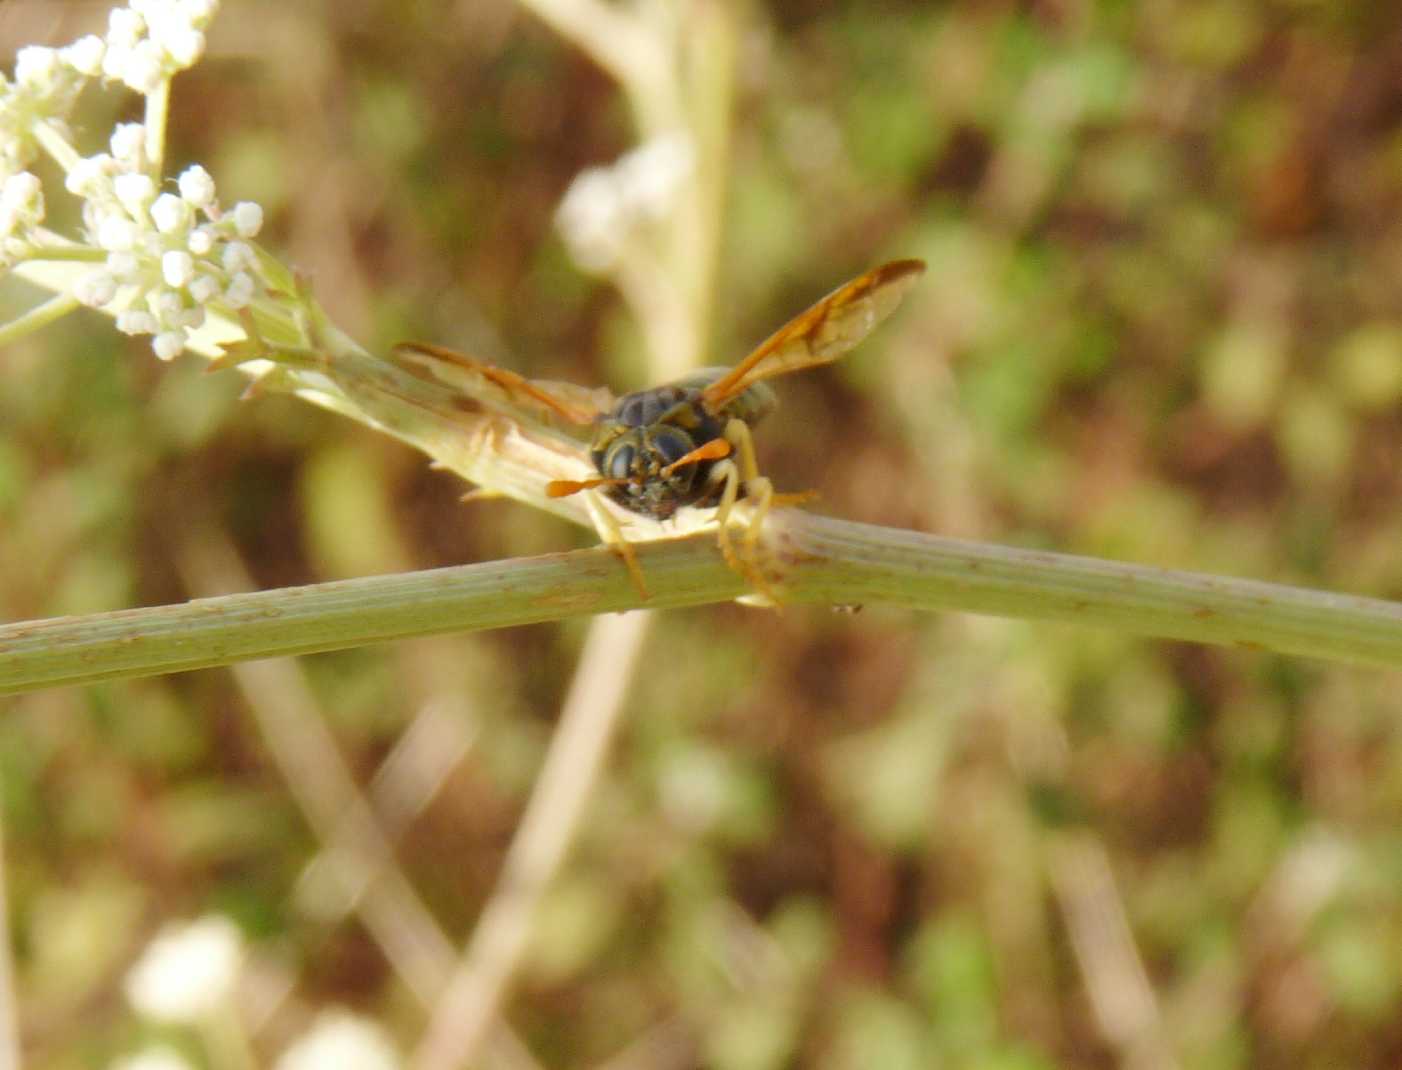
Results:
<point x="686" y="443"/>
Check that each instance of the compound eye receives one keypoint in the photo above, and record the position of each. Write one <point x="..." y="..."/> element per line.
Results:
<point x="618" y="462"/>
<point x="671" y="445"/>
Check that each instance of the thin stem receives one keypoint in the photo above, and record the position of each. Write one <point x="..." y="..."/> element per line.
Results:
<point x="696" y="238"/>
<point x="54" y="308"/>
<point x="345" y="823"/>
<point x="591" y="712"/>
<point x="157" y="114"/>
<point x="84" y="253"/>
<point x="662" y="311"/>
<point x="286" y="713"/>
<point x="1112" y="968"/>
<point x="824" y="561"/>
<point x="51" y="139"/>
<point x="625" y="46"/>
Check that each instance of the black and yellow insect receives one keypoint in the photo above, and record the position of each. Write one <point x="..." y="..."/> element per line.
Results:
<point x="687" y="442"/>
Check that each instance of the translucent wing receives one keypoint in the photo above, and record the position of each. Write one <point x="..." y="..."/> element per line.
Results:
<point x="539" y="401"/>
<point x="825" y="332"/>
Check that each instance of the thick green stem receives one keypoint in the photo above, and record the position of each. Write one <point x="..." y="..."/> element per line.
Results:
<point x="824" y="561"/>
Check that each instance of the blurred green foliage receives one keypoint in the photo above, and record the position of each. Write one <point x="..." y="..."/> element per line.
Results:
<point x="1162" y="322"/>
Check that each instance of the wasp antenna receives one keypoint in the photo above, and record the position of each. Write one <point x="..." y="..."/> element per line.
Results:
<point x="563" y="488"/>
<point x="710" y="451"/>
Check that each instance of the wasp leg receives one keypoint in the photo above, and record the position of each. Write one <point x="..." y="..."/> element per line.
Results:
<point x="738" y="472"/>
<point x="612" y="536"/>
<point x="727" y="472"/>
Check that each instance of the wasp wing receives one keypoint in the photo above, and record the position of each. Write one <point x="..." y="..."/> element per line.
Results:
<point x="822" y="334"/>
<point x="537" y="401"/>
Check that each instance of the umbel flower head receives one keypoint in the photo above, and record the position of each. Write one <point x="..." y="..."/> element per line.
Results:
<point x="168" y="251"/>
<point x="339" y="1040"/>
<point x="146" y="43"/>
<point x="169" y="254"/>
<point x="187" y="970"/>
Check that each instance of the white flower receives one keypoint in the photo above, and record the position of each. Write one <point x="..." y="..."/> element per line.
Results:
<point x="339" y="1040"/>
<point x="95" y="289"/>
<point x="124" y="28"/>
<point x="153" y="1059"/>
<point x="605" y="205"/>
<point x="248" y="219"/>
<point x="237" y="256"/>
<point x="117" y="234"/>
<point x="141" y="68"/>
<point x="36" y="67"/>
<point x="129" y="144"/>
<point x="650" y="176"/>
<point x="168" y="344"/>
<point x="171" y="214"/>
<point x="135" y="191"/>
<point x="124" y="266"/>
<point x="184" y="45"/>
<point x="151" y="40"/>
<point x="177" y="268"/>
<point x="135" y="321"/>
<point x="23" y="189"/>
<point x="165" y="305"/>
<point x="187" y="970"/>
<point x="89" y="176"/>
<point x="592" y="219"/>
<point x="240" y="291"/>
<point x="21" y="203"/>
<point x="161" y="15"/>
<point x="204" y="288"/>
<point x="85" y="55"/>
<point x="196" y="186"/>
<point x="200" y="241"/>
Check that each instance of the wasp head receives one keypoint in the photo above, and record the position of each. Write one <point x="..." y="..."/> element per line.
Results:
<point x="641" y="458"/>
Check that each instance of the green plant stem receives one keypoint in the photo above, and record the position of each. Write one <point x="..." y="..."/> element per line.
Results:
<point x="825" y="560"/>
<point x="54" y="308"/>
<point x="83" y="253"/>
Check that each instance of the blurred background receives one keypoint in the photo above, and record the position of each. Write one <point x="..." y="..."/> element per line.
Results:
<point x="1162" y="323"/>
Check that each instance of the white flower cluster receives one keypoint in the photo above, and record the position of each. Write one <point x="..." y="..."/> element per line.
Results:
<point x="150" y="40"/>
<point x="187" y="971"/>
<point x="338" y="1040"/>
<point x="169" y="255"/>
<point x="146" y="42"/>
<point x="21" y="210"/>
<point x="604" y="206"/>
<point x="46" y="83"/>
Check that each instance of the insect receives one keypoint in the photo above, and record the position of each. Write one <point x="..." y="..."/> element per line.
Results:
<point x="688" y="442"/>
